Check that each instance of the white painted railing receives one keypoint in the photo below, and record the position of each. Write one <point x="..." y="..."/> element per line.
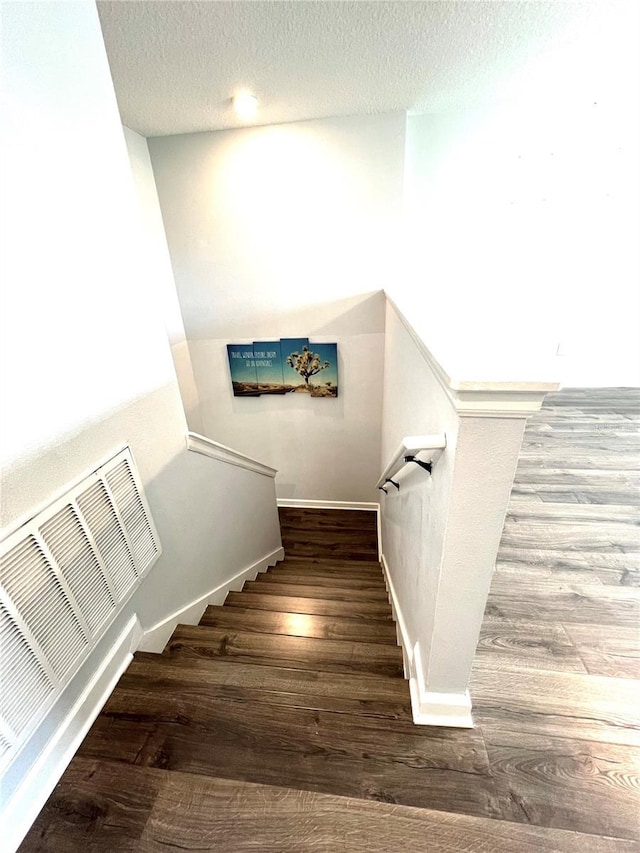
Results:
<point x="215" y="450"/>
<point x="423" y="450"/>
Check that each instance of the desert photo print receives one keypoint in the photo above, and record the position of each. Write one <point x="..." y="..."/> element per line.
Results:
<point x="285" y="366"/>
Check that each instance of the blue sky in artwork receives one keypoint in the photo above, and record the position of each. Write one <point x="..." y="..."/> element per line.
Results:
<point x="241" y="363"/>
<point x="327" y="352"/>
<point x="268" y="362"/>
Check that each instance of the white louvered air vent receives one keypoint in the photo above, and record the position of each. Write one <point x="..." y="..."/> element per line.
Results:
<point x="63" y="577"/>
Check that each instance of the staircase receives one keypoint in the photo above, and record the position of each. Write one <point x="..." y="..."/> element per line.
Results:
<point x="282" y="722"/>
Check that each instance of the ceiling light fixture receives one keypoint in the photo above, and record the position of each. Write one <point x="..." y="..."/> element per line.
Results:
<point x="246" y="105"/>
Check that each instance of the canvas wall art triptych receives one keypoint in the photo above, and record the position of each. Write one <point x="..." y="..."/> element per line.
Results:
<point x="289" y="365"/>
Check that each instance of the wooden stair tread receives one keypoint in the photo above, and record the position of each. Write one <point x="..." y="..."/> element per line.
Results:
<point x="370" y="610"/>
<point x="298" y="652"/>
<point x="311" y="546"/>
<point x="375" y="584"/>
<point x="299" y="625"/>
<point x="216" y="672"/>
<point x="324" y="577"/>
<point x="332" y="563"/>
<point x="300" y="590"/>
<point x="333" y="570"/>
<point x="196" y="684"/>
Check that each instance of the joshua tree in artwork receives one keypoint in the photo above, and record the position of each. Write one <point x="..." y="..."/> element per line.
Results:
<point x="306" y="363"/>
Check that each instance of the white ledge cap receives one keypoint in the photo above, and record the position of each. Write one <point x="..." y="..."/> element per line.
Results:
<point x="485" y="397"/>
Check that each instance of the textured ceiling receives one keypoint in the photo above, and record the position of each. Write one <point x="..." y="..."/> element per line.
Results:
<point x="176" y="65"/>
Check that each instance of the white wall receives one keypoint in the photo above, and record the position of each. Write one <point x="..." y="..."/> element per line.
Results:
<point x="158" y="266"/>
<point x="522" y="217"/>
<point x="74" y="288"/>
<point x="283" y="232"/>
<point x="85" y="362"/>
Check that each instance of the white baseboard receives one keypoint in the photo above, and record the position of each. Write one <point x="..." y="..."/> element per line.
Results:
<point x="427" y="707"/>
<point x="401" y="627"/>
<point x="21" y="810"/>
<point x="440" y="709"/>
<point x="436" y="709"/>
<point x="156" y="637"/>
<point x="294" y="503"/>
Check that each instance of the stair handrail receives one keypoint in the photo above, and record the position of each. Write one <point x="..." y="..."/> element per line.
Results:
<point x="208" y="447"/>
<point x="412" y="450"/>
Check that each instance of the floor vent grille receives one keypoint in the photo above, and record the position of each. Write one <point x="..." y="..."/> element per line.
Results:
<point x="63" y="577"/>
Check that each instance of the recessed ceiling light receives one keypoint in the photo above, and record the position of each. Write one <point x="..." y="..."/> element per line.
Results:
<point x="246" y="105"/>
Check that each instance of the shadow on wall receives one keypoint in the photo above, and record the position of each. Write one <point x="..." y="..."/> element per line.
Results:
<point x="356" y="315"/>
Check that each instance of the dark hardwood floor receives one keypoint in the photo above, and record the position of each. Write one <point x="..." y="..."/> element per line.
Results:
<point x="282" y="722"/>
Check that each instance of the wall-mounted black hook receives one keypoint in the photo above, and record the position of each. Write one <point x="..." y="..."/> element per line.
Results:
<point x="426" y="465"/>
<point x="393" y="483"/>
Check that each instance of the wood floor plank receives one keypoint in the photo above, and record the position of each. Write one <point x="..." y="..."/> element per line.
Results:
<point x="555" y="441"/>
<point x="546" y="576"/>
<point x="315" y="606"/>
<point x="571" y="534"/>
<point x="567" y="783"/>
<point x="584" y="574"/>
<point x="299" y="625"/>
<point x="300" y="590"/>
<point x="581" y="603"/>
<point x="520" y="644"/>
<point x="556" y="704"/>
<point x="584" y="460"/>
<point x="576" y="476"/>
<point x="298" y="652"/>
<point x="567" y="559"/>
<point x="571" y="512"/>
<point x="612" y="650"/>
<point x="619" y="493"/>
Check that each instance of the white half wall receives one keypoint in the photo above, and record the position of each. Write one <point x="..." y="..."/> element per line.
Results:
<point x="441" y="531"/>
<point x="283" y="232"/>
